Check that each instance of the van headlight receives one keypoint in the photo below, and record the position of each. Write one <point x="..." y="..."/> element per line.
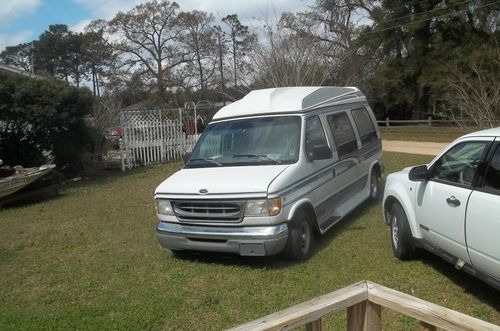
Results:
<point x="164" y="207"/>
<point x="264" y="207"/>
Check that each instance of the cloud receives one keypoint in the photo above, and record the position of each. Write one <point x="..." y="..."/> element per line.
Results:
<point x="246" y="10"/>
<point x="12" y="10"/>
<point x="80" y="26"/>
<point x="107" y="9"/>
<point x="15" y="39"/>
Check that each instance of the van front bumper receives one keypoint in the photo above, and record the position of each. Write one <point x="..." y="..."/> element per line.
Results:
<point x="249" y="240"/>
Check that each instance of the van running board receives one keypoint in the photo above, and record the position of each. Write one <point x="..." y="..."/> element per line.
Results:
<point x="329" y="223"/>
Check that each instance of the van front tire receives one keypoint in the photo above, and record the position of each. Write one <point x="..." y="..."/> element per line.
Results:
<point x="300" y="237"/>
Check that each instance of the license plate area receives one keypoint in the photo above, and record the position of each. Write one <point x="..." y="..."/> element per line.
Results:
<point x="252" y="249"/>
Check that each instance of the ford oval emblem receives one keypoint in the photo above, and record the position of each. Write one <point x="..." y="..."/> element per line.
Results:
<point x="203" y="191"/>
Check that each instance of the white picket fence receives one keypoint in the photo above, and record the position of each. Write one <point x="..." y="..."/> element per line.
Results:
<point x="155" y="136"/>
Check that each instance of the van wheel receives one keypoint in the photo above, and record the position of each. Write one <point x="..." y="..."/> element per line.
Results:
<point x="403" y="246"/>
<point x="300" y="237"/>
<point x="375" y="186"/>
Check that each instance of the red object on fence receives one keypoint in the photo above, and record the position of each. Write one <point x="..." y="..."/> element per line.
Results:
<point x="188" y="127"/>
<point x="117" y="132"/>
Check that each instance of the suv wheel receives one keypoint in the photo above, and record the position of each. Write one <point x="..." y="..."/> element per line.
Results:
<point x="403" y="246"/>
<point x="375" y="186"/>
<point x="300" y="237"/>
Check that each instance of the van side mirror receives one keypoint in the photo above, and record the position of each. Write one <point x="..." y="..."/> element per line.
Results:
<point x="320" y="152"/>
<point x="419" y="173"/>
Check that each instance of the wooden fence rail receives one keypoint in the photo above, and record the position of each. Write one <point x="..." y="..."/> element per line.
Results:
<point x="429" y="122"/>
<point x="364" y="302"/>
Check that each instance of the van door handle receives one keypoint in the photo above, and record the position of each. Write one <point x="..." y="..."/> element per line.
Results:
<point x="452" y="201"/>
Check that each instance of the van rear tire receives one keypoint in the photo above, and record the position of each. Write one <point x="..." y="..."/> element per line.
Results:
<point x="375" y="186"/>
<point x="300" y="242"/>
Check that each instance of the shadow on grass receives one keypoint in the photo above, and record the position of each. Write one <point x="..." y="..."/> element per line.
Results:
<point x="100" y="179"/>
<point x="277" y="261"/>
<point x="468" y="283"/>
<point x="105" y="177"/>
<point x="346" y="224"/>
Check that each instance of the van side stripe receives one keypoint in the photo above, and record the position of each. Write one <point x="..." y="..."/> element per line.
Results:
<point x="367" y="152"/>
<point x="310" y="178"/>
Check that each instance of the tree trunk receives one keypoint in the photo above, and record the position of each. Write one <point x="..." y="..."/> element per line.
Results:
<point x="233" y="36"/>
<point x="200" y="70"/>
<point x="221" y="66"/>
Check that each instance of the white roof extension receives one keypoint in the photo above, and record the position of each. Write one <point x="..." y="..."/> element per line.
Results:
<point x="289" y="99"/>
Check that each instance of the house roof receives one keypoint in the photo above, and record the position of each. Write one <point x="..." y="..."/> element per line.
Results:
<point x="150" y="104"/>
<point x="289" y="100"/>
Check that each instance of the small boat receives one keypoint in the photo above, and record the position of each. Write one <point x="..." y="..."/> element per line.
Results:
<point x="22" y="178"/>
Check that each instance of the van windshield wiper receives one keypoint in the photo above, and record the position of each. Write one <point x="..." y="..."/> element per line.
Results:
<point x="258" y="156"/>
<point x="207" y="160"/>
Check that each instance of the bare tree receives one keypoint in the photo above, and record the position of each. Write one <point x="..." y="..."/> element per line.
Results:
<point x="220" y="56"/>
<point x="335" y="25"/>
<point x="105" y="117"/>
<point x="473" y="96"/>
<point x="148" y="36"/>
<point x="198" y="38"/>
<point x="99" y="56"/>
<point x="288" y="59"/>
<point x="241" y="42"/>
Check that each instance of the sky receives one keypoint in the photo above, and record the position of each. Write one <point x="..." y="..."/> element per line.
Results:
<point x="24" y="20"/>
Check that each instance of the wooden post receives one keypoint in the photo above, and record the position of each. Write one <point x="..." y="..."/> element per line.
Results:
<point x="427" y="327"/>
<point x="363" y="302"/>
<point x="429" y="123"/>
<point x="314" y="325"/>
<point x="122" y="153"/>
<point x="364" y="316"/>
<point x="387" y="122"/>
<point x="181" y="136"/>
<point x="161" y="137"/>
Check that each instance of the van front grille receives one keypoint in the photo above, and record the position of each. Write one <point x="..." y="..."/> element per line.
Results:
<point x="208" y="211"/>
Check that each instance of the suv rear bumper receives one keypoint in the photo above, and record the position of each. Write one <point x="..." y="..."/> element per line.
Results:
<point x="251" y="240"/>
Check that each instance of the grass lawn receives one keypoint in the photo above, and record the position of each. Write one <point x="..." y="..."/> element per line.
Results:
<point x="90" y="260"/>
<point x="435" y="134"/>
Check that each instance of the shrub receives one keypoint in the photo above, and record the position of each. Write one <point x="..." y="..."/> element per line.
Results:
<point x="40" y="117"/>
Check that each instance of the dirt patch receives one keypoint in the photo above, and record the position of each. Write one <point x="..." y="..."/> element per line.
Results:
<point x="413" y="147"/>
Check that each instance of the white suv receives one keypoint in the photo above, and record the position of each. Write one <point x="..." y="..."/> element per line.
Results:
<point x="451" y="206"/>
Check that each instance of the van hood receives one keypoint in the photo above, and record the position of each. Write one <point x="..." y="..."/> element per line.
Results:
<point x="221" y="180"/>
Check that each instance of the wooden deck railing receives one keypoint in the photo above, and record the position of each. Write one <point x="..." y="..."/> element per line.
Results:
<point x="364" y="302"/>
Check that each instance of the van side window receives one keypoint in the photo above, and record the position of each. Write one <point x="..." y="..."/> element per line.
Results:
<point x="342" y="131"/>
<point x="315" y="135"/>
<point x="492" y="178"/>
<point x="365" y="126"/>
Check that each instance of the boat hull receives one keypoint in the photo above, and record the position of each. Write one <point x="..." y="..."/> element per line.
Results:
<point x="23" y="178"/>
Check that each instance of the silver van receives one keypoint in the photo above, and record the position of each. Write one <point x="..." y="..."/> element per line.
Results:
<point x="272" y="169"/>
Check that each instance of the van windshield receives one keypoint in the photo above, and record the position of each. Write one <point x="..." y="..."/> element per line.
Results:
<point x="250" y="141"/>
